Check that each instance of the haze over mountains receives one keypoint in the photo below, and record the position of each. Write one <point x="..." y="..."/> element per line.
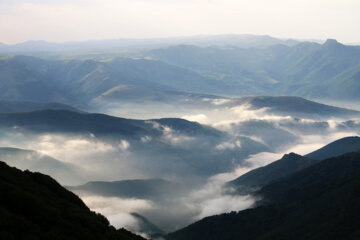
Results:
<point x="301" y="70"/>
<point x="158" y="134"/>
<point x="242" y="40"/>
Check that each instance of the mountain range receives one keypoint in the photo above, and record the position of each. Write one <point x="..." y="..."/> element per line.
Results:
<point x="241" y="40"/>
<point x="298" y="70"/>
<point x="307" y="69"/>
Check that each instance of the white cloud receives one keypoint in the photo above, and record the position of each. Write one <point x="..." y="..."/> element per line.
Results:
<point x="200" y="118"/>
<point x="124" y="145"/>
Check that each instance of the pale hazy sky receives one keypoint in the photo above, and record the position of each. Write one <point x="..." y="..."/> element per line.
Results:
<point x="74" y="20"/>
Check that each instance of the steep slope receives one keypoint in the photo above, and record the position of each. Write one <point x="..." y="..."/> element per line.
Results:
<point x="34" y="206"/>
<point x="337" y="148"/>
<point x="319" y="202"/>
<point x="288" y="164"/>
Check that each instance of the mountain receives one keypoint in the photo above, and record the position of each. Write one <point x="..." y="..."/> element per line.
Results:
<point x="336" y="148"/>
<point x="35" y="206"/>
<point x="79" y="81"/>
<point x="170" y="144"/>
<point x="311" y="70"/>
<point x="291" y="163"/>
<point x="66" y="173"/>
<point x="67" y="121"/>
<point x="139" y="94"/>
<point x="288" y="164"/>
<point x="293" y="106"/>
<point x="148" y="227"/>
<point x="299" y="70"/>
<point x="318" y="202"/>
<point x="11" y="107"/>
<point x="137" y="188"/>
<point x="242" y="40"/>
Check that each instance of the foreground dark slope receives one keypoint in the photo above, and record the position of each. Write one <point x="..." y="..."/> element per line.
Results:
<point x="319" y="202"/>
<point x="291" y="163"/>
<point x="34" y="206"/>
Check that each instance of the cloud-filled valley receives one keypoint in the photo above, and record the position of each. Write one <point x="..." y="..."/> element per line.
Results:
<point x="196" y="159"/>
<point x="157" y="138"/>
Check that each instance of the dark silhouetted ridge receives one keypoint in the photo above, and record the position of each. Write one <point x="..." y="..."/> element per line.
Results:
<point x="318" y="202"/>
<point x="35" y="206"/>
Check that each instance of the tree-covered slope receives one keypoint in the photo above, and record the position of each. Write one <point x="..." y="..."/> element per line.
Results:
<point x="34" y="206"/>
<point x="319" y="202"/>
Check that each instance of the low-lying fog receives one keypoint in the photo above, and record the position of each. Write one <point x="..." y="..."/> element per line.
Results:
<point x="199" y="163"/>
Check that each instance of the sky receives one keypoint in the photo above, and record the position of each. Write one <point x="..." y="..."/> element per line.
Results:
<point x="78" y="20"/>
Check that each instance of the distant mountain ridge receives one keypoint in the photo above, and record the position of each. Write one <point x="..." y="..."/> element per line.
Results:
<point x="299" y="70"/>
<point x="12" y="107"/>
<point x="241" y="40"/>
<point x="311" y="70"/>
<point x="293" y="106"/>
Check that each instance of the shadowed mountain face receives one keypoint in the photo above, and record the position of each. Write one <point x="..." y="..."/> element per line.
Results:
<point x="318" y="202"/>
<point x="34" y="206"/>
